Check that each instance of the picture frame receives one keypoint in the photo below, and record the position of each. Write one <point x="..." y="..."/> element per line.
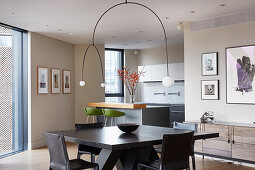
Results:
<point x="66" y="80"/>
<point x="240" y="70"/>
<point x="210" y="90"/>
<point x="42" y="80"/>
<point x="55" y="81"/>
<point x="209" y="64"/>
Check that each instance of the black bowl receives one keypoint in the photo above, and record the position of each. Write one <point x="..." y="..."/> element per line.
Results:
<point x="128" y="127"/>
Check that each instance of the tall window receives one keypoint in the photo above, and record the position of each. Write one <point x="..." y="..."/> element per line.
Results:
<point x="114" y="89"/>
<point x="13" y="84"/>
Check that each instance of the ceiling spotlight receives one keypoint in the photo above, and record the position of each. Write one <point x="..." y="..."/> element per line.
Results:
<point x="13" y="13"/>
<point x="149" y="40"/>
<point x="70" y="33"/>
<point x="137" y="42"/>
<point x="60" y="30"/>
<point x="113" y="36"/>
<point x="180" y="26"/>
<point x="46" y="25"/>
<point x="166" y="17"/>
<point x="139" y="32"/>
<point x="192" y="12"/>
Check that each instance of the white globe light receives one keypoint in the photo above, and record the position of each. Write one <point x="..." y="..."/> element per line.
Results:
<point x="82" y="83"/>
<point x="102" y="85"/>
<point x="168" y="81"/>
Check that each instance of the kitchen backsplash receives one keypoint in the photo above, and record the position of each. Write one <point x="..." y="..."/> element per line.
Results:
<point x="156" y="93"/>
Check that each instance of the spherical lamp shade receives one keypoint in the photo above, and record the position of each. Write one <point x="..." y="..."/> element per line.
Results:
<point x="82" y="83"/>
<point x="102" y="84"/>
<point x="168" y="81"/>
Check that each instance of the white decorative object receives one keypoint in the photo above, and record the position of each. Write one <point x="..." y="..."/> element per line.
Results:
<point x="168" y="81"/>
<point x="82" y="83"/>
<point x="103" y="85"/>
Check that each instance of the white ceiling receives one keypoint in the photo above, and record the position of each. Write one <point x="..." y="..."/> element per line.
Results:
<point x="127" y="26"/>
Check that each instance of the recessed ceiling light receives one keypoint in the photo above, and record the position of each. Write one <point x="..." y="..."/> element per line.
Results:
<point x="166" y="17"/>
<point x="139" y="32"/>
<point x="70" y="33"/>
<point x="192" y="12"/>
<point x="222" y="5"/>
<point x="13" y="13"/>
<point x="60" y="30"/>
<point x="137" y="42"/>
<point x="46" y="25"/>
<point x="149" y="40"/>
<point x="113" y="36"/>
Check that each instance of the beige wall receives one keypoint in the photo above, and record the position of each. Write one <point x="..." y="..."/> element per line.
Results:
<point x="158" y="56"/>
<point x="92" y="91"/>
<point x="215" y="40"/>
<point x="50" y="111"/>
<point x="131" y="62"/>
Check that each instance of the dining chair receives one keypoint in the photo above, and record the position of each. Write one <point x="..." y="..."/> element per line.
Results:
<point x="92" y="112"/>
<point x="84" y="149"/>
<point x="186" y="126"/>
<point x="110" y="113"/>
<point x="175" y="153"/>
<point x="59" y="159"/>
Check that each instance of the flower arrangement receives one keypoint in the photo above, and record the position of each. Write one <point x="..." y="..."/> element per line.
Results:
<point x="130" y="80"/>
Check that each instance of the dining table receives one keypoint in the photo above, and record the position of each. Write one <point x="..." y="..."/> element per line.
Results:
<point x="125" y="150"/>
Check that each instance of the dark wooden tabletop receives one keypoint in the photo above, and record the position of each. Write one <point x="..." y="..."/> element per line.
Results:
<point x="112" y="138"/>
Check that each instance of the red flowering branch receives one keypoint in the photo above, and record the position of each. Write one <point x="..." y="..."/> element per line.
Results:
<point x="130" y="79"/>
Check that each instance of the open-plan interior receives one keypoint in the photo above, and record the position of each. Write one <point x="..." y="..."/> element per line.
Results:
<point x="126" y="85"/>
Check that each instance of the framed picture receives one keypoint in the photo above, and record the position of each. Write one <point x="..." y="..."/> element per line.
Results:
<point x="55" y="81"/>
<point x="210" y="89"/>
<point x="66" y="81"/>
<point x="240" y="74"/>
<point x="210" y="64"/>
<point x="42" y="80"/>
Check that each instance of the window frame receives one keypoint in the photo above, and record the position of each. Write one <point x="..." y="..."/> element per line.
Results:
<point x="122" y="66"/>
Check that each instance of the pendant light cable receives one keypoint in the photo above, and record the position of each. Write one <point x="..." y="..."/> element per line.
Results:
<point x="94" y="32"/>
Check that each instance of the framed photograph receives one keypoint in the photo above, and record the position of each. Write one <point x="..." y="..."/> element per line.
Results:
<point x="42" y="80"/>
<point x="66" y="81"/>
<point x="210" y="89"/>
<point x="55" y="81"/>
<point x="210" y="64"/>
<point x="240" y="74"/>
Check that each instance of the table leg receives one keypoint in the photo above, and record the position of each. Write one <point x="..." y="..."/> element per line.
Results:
<point x="136" y="155"/>
<point x="108" y="158"/>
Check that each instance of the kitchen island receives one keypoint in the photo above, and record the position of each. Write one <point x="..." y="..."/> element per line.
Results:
<point x="141" y="113"/>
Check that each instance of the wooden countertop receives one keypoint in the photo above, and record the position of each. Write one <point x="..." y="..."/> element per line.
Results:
<point x="117" y="105"/>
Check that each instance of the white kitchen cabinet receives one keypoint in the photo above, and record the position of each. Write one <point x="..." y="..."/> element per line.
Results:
<point x="158" y="72"/>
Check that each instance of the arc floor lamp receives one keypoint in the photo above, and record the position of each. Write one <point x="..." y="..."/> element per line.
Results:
<point x="167" y="81"/>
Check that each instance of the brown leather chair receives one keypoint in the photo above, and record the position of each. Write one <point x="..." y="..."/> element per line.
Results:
<point x="175" y="154"/>
<point x="59" y="157"/>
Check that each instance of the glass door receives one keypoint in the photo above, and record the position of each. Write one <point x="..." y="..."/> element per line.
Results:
<point x="13" y="126"/>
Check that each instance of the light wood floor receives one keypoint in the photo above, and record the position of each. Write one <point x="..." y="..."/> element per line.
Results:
<point x="39" y="160"/>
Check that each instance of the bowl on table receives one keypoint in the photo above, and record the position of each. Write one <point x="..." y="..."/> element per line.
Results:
<point x="128" y="127"/>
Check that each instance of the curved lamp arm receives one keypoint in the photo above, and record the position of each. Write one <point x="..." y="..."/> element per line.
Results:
<point x="94" y="32"/>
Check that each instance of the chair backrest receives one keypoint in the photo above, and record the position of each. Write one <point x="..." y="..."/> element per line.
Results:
<point x="185" y="126"/>
<point x="176" y="150"/>
<point x="58" y="153"/>
<point x="88" y="126"/>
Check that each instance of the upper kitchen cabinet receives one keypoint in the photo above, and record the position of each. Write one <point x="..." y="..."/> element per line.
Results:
<point x="158" y="72"/>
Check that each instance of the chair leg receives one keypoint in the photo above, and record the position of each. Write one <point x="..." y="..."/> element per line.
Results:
<point x="105" y="121"/>
<point x="93" y="158"/>
<point x="87" y="119"/>
<point x="78" y="155"/>
<point x="193" y="162"/>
